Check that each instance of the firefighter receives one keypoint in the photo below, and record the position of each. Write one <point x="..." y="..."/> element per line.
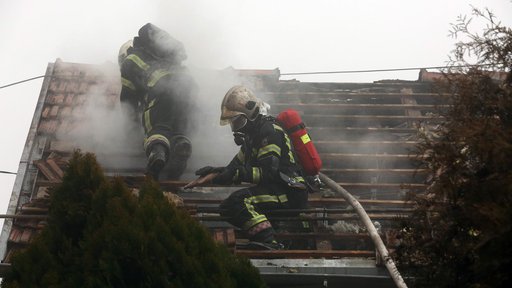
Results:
<point x="265" y="159"/>
<point x="157" y="89"/>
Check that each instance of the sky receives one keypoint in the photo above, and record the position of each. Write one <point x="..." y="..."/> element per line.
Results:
<point x="292" y="35"/>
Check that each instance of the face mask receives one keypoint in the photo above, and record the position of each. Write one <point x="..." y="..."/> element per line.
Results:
<point x="238" y="123"/>
<point x="239" y="138"/>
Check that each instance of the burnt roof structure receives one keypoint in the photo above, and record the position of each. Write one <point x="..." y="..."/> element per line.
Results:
<point x="365" y="134"/>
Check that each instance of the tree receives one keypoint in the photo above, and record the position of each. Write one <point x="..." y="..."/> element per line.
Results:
<point x="101" y="235"/>
<point x="460" y="232"/>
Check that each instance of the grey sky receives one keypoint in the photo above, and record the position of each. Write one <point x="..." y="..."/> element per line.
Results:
<point x="294" y="35"/>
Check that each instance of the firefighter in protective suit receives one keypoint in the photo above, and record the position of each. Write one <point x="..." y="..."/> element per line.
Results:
<point x="157" y="88"/>
<point x="265" y="159"/>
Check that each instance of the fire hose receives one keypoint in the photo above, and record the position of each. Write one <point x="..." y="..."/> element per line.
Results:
<point x="374" y="235"/>
<point x="358" y="208"/>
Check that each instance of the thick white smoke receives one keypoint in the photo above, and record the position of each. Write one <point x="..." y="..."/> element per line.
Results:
<point x="212" y="144"/>
<point x="103" y="129"/>
<point x="100" y="127"/>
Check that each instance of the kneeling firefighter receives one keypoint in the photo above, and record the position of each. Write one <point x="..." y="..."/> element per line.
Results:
<point x="265" y="159"/>
<point x="158" y="89"/>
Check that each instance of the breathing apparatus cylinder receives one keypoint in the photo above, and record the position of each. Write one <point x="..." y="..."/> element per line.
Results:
<point x="304" y="148"/>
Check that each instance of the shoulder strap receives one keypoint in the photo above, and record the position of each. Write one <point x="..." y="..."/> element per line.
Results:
<point x="291" y="130"/>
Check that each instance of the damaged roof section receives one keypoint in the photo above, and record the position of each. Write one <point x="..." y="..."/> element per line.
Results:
<point x="60" y="105"/>
<point x="364" y="132"/>
<point x="68" y="89"/>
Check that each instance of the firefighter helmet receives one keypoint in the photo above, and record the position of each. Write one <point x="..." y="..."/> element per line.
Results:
<point x="123" y="51"/>
<point x="238" y="106"/>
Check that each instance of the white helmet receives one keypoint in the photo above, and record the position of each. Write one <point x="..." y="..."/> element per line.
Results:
<point x="123" y="52"/>
<point x="238" y="106"/>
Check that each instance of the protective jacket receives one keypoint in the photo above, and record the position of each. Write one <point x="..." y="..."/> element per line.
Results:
<point x="266" y="159"/>
<point x="145" y="77"/>
<point x="160" y="90"/>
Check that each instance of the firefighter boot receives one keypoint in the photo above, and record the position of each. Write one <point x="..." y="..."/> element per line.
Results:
<point x="263" y="239"/>
<point x="180" y="153"/>
<point x="156" y="160"/>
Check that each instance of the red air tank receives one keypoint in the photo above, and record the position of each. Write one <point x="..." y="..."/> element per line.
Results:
<point x="303" y="146"/>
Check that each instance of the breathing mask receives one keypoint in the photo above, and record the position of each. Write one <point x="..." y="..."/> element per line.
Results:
<point x="239" y="138"/>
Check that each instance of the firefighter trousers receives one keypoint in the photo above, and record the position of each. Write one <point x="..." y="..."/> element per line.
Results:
<point x="247" y="207"/>
<point x="165" y="120"/>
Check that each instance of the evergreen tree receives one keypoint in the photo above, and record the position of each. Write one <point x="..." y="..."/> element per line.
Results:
<point x="101" y="235"/>
<point x="460" y="232"/>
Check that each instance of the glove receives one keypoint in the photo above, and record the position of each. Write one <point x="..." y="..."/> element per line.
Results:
<point x="208" y="170"/>
<point x="225" y="177"/>
<point x="231" y="175"/>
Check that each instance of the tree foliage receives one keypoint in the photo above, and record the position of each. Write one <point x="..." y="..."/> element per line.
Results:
<point x="460" y="232"/>
<point x="101" y="235"/>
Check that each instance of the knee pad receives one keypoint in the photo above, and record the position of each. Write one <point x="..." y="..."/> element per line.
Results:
<point x="154" y="141"/>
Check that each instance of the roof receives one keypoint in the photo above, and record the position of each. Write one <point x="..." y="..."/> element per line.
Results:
<point x="364" y="132"/>
<point x="426" y="76"/>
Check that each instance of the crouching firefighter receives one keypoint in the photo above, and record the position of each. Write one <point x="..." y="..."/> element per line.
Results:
<point x="265" y="159"/>
<point x="157" y="89"/>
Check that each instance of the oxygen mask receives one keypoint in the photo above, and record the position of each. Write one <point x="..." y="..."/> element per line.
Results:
<point x="239" y="138"/>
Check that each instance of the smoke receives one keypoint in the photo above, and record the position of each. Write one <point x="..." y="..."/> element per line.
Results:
<point x="352" y="148"/>
<point x="212" y="144"/>
<point x="99" y="126"/>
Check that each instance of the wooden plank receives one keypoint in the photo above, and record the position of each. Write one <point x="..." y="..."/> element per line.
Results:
<point x="33" y="210"/>
<point x="371" y="117"/>
<point x="369" y="143"/>
<point x="365" y="130"/>
<point x="56" y="169"/>
<point x="303" y="106"/>
<point x="23" y="216"/>
<point x="312" y="200"/>
<point x="376" y="170"/>
<point x="382" y="185"/>
<point x="174" y="185"/>
<point x="320" y="94"/>
<point x="340" y="156"/>
<point x="323" y="235"/>
<point x="294" y="212"/>
<point x="347" y="216"/>
<point x="362" y="201"/>
<point x="329" y="254"/>
<point x="47" y="172"/>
